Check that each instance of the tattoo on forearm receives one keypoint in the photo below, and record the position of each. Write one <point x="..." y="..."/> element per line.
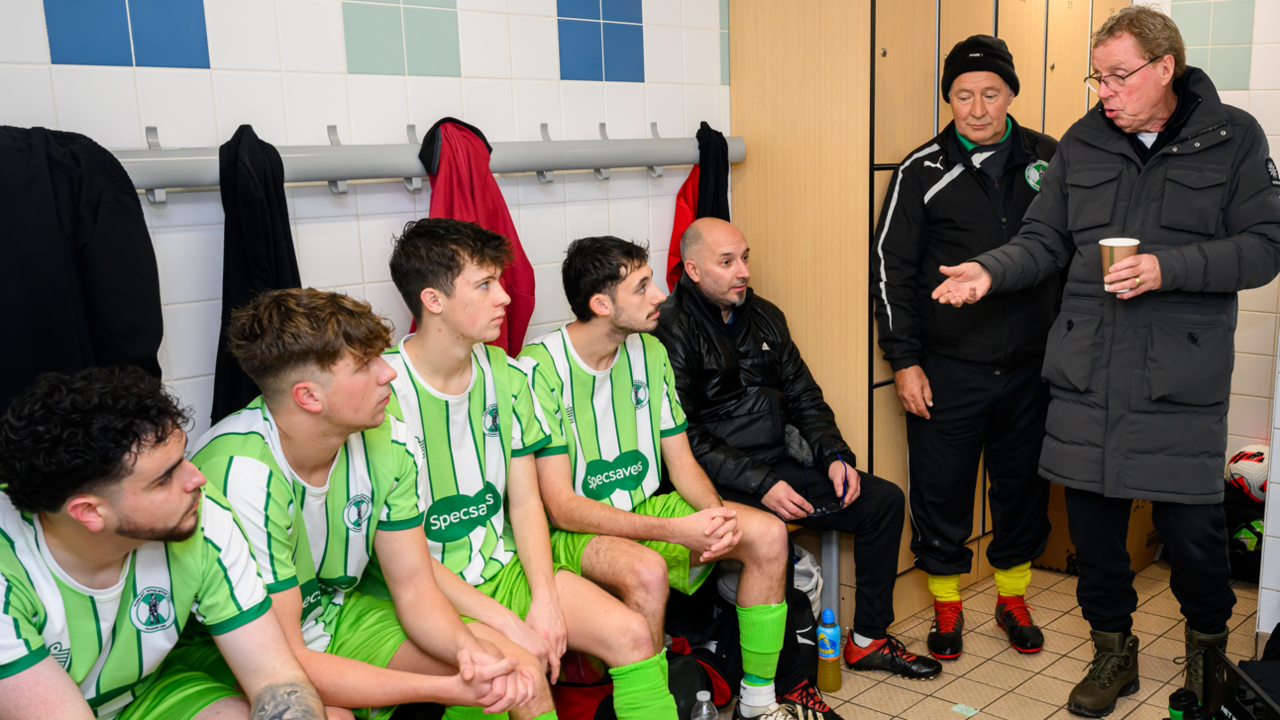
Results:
<point x="287" y="701"/>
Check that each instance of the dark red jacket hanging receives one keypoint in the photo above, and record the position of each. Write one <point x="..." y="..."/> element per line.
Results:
<point x="456" y="156"/>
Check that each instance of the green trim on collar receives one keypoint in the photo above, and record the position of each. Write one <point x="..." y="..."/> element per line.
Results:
<point x="964" y="141"/>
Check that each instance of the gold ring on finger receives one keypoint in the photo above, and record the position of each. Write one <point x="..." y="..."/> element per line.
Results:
<point x="1138" y="283"/>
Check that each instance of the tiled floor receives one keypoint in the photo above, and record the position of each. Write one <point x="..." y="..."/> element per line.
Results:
<point x="1002" y="683"/>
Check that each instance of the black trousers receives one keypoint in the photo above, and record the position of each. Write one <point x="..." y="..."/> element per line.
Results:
<point x="875" y="519"/>
<point x="1195" y="537"/>
<point x="1003" y="413"/>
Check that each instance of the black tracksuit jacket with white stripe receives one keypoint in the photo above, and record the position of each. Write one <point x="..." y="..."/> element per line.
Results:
<point x="941" y="209"/>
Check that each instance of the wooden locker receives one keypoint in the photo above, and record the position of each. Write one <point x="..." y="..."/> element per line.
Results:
<point x="801" y="97"/>
<point x="891" y="453"/>
<point x="958" y="20"/>
<point x="904" y="77"/>
<point x="1021" y="25"/>
<point x="1102" y="9"/>
<point x="1066" y="97"/>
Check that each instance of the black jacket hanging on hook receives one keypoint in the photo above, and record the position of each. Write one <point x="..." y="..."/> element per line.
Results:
<point x="257" y="251"/>
<point x="704" y="194"/>
<point x="81" y="287"/>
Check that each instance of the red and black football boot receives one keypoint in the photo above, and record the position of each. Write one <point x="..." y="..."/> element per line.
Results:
<point x="808" y="703"/>
<point x="1014" y="618"/>
<point x="945" y="637"/>
<point x="890" y="654"/>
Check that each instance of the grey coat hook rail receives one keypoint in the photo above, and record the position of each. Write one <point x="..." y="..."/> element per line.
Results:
<point x="159" y="169"/>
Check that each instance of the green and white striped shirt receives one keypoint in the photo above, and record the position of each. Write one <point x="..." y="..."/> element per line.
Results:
<point x="608" y="421"/>
<point x="318" y="538"/>
<point x="112" y="641"/>
<point x="465" y="444"/>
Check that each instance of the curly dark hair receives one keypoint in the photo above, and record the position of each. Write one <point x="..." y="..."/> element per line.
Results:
<point x="72" y="434"/>
<point x="433" y="252"/>
<point x="596" y="265"/>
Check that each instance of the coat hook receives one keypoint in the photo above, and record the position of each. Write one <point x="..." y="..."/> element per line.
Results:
<point x="655" y="171"/>
<point x="546" y="177"/>
<point x="412" y="183"/>
<point x="602" y="173"/>
<point x="337" y="187"/>
<point x="155" y="196"/>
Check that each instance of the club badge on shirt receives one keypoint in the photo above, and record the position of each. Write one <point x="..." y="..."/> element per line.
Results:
<point x="1034" y="172"/>
<point x="1273" y="173"/>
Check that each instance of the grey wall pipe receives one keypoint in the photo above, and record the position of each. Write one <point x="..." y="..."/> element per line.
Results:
<point x="198" y="167"/>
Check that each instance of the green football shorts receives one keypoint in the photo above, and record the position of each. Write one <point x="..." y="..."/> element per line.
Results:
<point x="510" y="587"/>
<point x="367" y="630"/>
<point x="178" y="693"/>
<point x="567" y="547"/>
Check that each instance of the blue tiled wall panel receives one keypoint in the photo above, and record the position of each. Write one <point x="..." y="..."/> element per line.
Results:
<point x="581" y="9"/>
<point x="627" y="11"/>
<point x="89" y="32"/>
<point x="580" y="55"/>
<point x="623" y="53"/>
<point x="169" y="33"/>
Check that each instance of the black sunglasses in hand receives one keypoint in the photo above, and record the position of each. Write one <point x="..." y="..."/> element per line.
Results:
<point x="831" y="507"/>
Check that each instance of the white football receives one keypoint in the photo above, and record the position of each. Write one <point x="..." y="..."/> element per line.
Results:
<point x="1247" y="470"/>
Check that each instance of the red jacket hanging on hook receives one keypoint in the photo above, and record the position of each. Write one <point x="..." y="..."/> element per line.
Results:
<point x="456" y="156"/>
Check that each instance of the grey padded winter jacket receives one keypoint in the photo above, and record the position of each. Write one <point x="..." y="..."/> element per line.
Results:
<point x="1140" y="387"/>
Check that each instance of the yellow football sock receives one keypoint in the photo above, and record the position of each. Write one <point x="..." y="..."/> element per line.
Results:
<point x="945" y="588"/>
<point x="1013" y="582"/>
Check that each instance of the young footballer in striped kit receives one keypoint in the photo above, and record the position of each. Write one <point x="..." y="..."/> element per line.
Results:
<point x="111" y="545"/>
<point x="608" y="392"/>
<point x="472" y="416"/>
<point x="322" y="479"/>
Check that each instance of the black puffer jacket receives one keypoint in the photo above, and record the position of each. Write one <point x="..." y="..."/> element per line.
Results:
<point x="740" y="385"/>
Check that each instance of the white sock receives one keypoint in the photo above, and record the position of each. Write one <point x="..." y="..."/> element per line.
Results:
<point x="861" y="641"/>
<point x="755" y="699"/>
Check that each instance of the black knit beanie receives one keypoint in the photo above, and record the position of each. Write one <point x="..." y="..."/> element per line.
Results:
<point x="978" y="53"/>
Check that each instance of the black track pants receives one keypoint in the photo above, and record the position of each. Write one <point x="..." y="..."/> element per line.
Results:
<point x="874" y="519"/>
<point x="1003" y="412"/>
<point x="1195" y="537"/>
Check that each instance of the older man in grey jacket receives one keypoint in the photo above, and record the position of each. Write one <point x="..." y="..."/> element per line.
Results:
<point x="1139" y="360"/>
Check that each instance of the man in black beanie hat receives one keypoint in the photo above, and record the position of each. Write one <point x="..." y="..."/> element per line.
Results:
<point x="968" y="377"/>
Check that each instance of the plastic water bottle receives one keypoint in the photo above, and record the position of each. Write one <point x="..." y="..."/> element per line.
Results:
<point x="1199" y="712"/>
<point x="1181" y="701"/>
<point x="703" y="709"/>
<point x="828" y="653"/>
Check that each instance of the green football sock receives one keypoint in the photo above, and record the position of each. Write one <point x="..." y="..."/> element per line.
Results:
<point x="640" y="690"/>
<point x="548" y="716"/>
<point x="761" y="628"/>
<point x="666" y="669"/>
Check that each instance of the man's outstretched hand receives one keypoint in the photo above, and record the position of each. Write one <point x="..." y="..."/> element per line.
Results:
<point x="966" y="283"/>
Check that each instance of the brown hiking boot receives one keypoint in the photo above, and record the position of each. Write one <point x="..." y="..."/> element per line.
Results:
<point x="1113" y="673"/>
<point x="1197" y="644"/>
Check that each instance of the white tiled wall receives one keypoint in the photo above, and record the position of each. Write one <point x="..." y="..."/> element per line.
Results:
<point x="280" y="66"/>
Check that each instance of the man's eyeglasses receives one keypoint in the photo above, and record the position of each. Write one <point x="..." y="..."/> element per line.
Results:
<point x="831" y="507"/>
<point x="1113" y="82"/>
